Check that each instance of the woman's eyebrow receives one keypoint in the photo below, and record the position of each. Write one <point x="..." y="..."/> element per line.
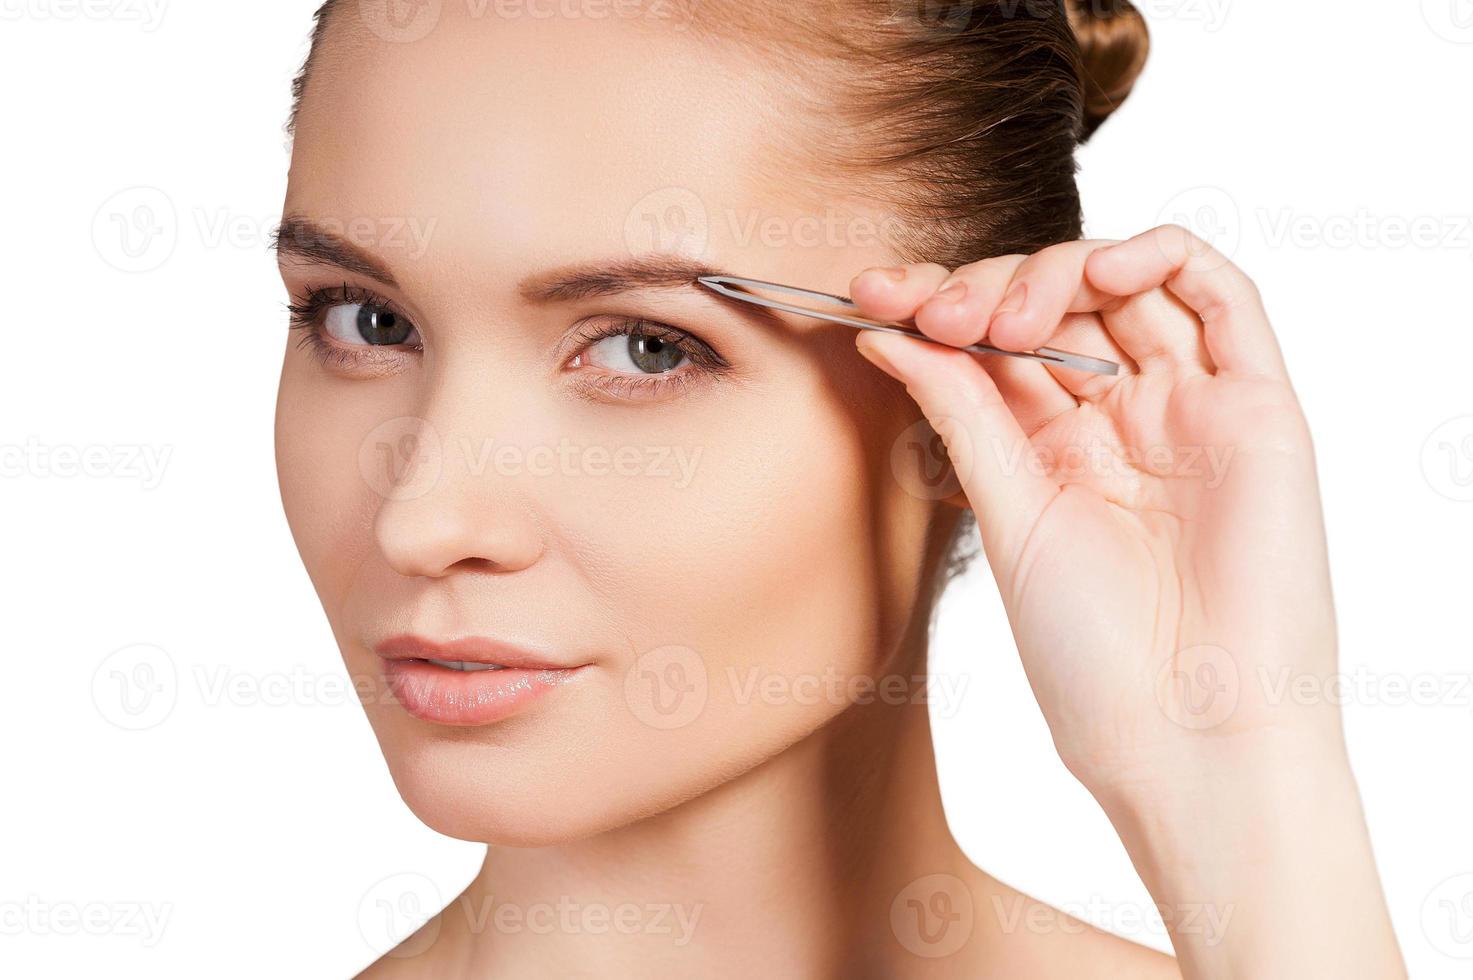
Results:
<point x="301" y="237"/>
<point x="609" y="276"/>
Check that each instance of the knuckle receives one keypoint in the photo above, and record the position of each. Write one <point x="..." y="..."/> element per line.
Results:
<point x="1232" y="294"/>
<point x="1182" y="247"/>
<point x="988" y="268"/>
<point x="1179" y="234"/>
<point x="925" y="272"/>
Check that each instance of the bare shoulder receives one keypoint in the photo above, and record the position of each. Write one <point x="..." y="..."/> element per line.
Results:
<point x="417" y="956"/>
<point x="1038" y="940"/>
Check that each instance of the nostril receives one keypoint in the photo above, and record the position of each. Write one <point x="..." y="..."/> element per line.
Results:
<point x="437" y="534"/>
<point x="474" y="564"/>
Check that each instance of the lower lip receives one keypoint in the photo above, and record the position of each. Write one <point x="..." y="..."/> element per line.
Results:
<point x="469" y="697"/>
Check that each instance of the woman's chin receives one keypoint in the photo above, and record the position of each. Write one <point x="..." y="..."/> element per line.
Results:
<point x="523" y="797"/>
<point x="487" y="817"/>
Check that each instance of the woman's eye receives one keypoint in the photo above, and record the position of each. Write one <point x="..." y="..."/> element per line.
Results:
<point x="635" y="352"/>
<point x="366" y="324"/>
<point x="641" y="360"/>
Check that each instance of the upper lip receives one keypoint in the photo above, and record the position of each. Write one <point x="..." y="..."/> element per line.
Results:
<point x="469" y="649"/>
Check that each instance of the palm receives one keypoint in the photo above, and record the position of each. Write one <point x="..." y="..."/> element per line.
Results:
<point x="1164" y="567"/>
<point x="1169" y="539"/>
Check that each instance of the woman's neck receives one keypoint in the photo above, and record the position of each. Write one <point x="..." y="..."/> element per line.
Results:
<point x="795" y="863"/>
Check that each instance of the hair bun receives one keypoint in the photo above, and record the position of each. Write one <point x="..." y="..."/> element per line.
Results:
<point x="1114" y="42"/>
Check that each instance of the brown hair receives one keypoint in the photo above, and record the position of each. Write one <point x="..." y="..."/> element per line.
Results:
<point x="962" y="116"/>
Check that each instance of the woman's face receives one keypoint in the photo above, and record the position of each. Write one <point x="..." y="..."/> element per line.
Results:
<point x="518" y="420"/>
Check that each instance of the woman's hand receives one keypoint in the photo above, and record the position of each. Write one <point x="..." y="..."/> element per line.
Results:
<point x="1156" y="535"/>
<point x="1158" y="542"/>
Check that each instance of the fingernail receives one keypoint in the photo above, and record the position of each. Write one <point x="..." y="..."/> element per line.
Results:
<point x="874" y="273"/>
<point x="1014" y="300"/>
<point x="953" y="291"/>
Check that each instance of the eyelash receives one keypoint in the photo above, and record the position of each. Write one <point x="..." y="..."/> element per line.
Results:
<point x="307" y="315"/>
<point x="707" y="363"/>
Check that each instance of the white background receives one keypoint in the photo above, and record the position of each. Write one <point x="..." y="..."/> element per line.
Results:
<point x="1325" y="146"/>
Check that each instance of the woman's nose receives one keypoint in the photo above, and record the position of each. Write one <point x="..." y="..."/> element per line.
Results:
<point x="447" y="508"/>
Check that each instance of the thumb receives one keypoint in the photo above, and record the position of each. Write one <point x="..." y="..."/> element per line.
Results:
<point x="992" y="456"/>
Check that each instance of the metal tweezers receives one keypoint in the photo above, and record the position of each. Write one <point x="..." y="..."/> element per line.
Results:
<point x="724" y="284"/>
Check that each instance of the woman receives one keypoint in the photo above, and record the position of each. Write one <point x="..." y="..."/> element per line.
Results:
<point x="636" y="580"/>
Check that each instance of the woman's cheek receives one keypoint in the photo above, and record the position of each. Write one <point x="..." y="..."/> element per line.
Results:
<point x="751" y="544"/>
<point x="326" y="429"/>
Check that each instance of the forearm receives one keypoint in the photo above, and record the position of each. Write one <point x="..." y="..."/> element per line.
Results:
<point x="1263" y="868"/>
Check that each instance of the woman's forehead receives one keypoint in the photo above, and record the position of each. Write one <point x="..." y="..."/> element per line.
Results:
<point x="593" y="113"/>
<point x="514" y="144"/>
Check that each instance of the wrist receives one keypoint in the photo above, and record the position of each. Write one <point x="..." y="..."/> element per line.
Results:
<point x="1256" y="772"/>
<point x="1261" y="864"/>
<point x="1232" y="814"/>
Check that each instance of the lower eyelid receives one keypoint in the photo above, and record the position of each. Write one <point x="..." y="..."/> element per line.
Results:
<point x="597" y="383"/>
<point x="364" y="361"/>
<point x="631" y="388"/>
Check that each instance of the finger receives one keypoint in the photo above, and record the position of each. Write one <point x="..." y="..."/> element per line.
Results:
<point x="1084" y="333"/>
<point x="1237" y="333"/>
<point x="1052" y="283"/>
<point x="1032" y="394"/>
<point x="987" y="447"/>
<point x="895" y="292"/>
<point x="958" y="312"/>
<point x="1160" y="333"/>
<point x="1045" y="286"/>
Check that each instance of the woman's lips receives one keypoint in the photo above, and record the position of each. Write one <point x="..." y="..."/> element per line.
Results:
<point x="467" y="694"/>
